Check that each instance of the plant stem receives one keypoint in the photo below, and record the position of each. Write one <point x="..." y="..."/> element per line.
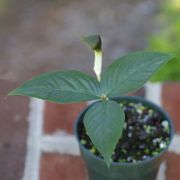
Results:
<point x="98" y="63"/>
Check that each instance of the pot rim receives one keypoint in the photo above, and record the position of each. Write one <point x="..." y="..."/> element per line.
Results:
<point x="134" y="99"/>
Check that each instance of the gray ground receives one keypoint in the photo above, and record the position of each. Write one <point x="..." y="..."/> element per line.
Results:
<point x="41" y="35"/>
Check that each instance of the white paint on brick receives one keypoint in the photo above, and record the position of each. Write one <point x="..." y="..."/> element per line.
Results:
<point x="175" y="145"/>
<point x="162" y="172"/>
<point x="32" y="163"/>
<point x="60" y="143"/>
<point x="67" y="144"/>
<point x="154" y="92"/>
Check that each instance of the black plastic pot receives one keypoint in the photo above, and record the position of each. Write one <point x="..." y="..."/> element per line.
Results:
<point x="144" y="170"/>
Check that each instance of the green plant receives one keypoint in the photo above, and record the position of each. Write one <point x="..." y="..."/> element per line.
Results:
<point x="167" y="39"/>
<point x="104" y="121"/>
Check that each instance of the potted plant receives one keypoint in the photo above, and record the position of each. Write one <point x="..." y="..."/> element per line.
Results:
<point x="120" y="137"/>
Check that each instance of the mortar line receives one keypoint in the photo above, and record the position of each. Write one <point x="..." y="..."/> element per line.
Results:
<point x="162" y="171"/>
<point x="153" y="92"/>
<point x="35" y="119"/>
<point x="67" y="144"/>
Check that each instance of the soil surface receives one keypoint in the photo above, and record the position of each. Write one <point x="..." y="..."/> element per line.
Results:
<point x="146" y="133"/>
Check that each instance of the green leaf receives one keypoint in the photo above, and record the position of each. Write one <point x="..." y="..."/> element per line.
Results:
<point x="94" y="41"/>
<point x="104" y="123"/>
<point x="61" y="87"/>
<point x="130" y="72"/>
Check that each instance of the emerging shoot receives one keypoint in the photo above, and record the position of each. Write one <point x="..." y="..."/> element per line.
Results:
<point x="94" y="42"/>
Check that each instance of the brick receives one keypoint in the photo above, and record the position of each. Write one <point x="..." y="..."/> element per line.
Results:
<point x="13" y="132"/>
<point x="61" y="116"/>
<point x="62" y="167"/>
<point x="171" y="102"/>
<point x="173" y="166"/>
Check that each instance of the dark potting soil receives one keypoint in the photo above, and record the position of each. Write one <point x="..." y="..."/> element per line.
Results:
<point x="145" y="134"/>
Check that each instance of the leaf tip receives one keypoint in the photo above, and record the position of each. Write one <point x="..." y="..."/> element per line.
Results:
<point x="172" y="56"/>
<point x="11" y="93"/>
<point x="169" y="56"/>
<point x="108" y="161"/>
